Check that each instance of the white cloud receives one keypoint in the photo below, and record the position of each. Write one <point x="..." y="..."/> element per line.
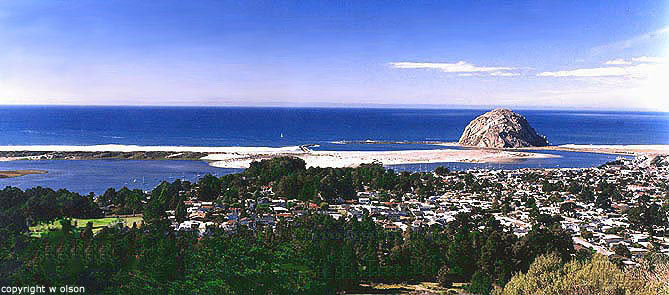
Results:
<point x="458" y="67"/>
<point x="618" y="61"/>
<point x="651" y="59"/>
<point x="653" y="36"/>
<point x="504" y="74"/>
<point x="644" y="66"/>
<point x="591" y="72"/>
<point x="640" y="59"/>
<point x="639" y="85"/>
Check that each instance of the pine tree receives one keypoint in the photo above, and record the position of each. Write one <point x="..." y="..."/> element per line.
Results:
<point x="180" y="213"/>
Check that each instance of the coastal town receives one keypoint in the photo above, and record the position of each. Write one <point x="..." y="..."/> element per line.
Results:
<point x="302" y="221"/>
<point x="614" y="209"/>
<point x="334" y="147"/>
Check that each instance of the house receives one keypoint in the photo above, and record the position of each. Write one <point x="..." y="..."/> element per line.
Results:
<point x="610" y="239"/>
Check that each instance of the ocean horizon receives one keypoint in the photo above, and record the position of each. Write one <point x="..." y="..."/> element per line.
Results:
<point x="335" y="129"/>
<point x="283" y="126"/>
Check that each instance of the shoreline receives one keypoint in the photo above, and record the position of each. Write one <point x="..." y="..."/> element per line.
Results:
<point x="337" y="159"/>
<point x="635" y="149"/>
<point x="18" y="173"/>
<point x="613" y="149"/>
<point x="241" y="157"/>
<point x="143" y="148"/>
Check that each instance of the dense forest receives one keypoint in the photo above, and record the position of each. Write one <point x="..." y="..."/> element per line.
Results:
<point x="314" y="254"/>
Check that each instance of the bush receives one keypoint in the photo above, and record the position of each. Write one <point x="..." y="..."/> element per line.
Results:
<point x="547" y="275"/>
<point x="443" y="171"/>
<point x="481" y="283"/>
<point x="444" y="277"/>
<point x="622" y="250"/>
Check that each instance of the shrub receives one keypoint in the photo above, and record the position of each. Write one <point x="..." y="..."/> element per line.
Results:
<point x="547" y="275"/>
<point x="444" y="277"/>
<point x="481" y="283"/>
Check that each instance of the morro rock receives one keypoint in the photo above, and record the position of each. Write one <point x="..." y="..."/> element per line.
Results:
<point x="501" y="128"/>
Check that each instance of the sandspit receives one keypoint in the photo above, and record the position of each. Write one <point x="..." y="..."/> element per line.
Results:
<point x="355" y="158"/>
<point x="17" y="173"/>
<point x="241" y="157"/>
<point x="143" y="148"/>
<point x="652" y="149"/>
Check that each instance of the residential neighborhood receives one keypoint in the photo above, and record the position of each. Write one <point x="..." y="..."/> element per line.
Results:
<point x="607" y="209"/>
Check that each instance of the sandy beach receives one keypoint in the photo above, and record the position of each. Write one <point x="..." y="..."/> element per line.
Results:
<point x="613" y="149"/>
<point x="241" y="157"/>
<point x="654" y="149"/>
<point x="354" y="158"/>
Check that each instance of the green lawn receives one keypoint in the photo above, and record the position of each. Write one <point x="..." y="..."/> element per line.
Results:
<point x="98" y="224"/>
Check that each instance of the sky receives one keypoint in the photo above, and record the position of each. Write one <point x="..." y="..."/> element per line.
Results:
<point x="529" y="54"/>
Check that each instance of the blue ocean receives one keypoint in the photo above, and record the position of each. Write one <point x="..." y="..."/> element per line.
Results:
<point x="329" y="128"/>
<point x="238" y="126"/>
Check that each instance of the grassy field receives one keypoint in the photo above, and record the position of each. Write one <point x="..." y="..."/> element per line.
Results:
<point x="98" y="224"/>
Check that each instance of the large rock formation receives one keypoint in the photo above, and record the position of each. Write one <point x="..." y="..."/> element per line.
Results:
<point x="501" y="128"/>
